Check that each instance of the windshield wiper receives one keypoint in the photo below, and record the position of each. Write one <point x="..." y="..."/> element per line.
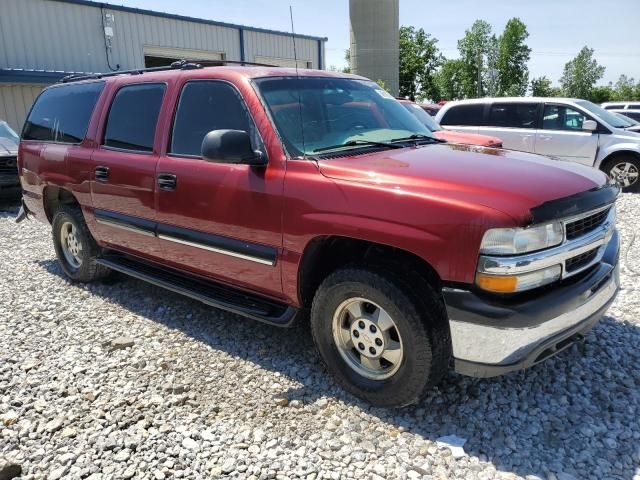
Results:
<point x="418" y="136"/>
<point x="356" y="143"/>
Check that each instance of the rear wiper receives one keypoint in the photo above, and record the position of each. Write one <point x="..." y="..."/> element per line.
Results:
<point x="419" y="136"/>
<point x="355" y="143"/>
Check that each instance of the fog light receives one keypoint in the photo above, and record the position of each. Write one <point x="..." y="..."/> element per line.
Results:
<point x="518" y="283"/>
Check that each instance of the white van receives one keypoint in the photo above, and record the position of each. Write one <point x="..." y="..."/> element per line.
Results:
<point x="621" y="105"/>
<point x="568" y="129"/>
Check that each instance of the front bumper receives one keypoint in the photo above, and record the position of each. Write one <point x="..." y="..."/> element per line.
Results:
<point x="491" y="336"/>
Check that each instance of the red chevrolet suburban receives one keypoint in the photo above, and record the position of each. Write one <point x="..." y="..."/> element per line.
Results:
<point x="280" y="195"/>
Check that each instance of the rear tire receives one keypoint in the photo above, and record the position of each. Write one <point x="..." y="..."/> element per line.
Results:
<point x="75" y="247"/>
<point x="625" y="170"/>
<point x="384" y="339"/>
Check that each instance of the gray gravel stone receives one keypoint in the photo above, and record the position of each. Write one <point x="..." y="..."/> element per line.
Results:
<point x="196" y="394"/>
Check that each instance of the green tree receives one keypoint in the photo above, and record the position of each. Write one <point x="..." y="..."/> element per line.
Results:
<point x="513" y="55"/>
<point x="581" y="74"/>
<point x="625" y="88"/>
<point x="450" y="80"/>
<point x="419" y="62"/>
<point x="382" y="85"/>
<point x="347" y="58"/>
<point x="541" y="87"/>
<point x="602" y="93"/>
<point x="477" y="45"/>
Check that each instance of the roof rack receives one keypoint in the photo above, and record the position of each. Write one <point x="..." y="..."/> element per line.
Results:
<point x="177" y="65"/>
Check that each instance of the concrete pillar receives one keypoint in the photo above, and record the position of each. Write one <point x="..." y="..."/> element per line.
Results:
<point x="375" y="40"/>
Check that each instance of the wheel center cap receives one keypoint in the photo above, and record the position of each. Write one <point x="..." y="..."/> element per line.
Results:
<point x="367" y="338"/>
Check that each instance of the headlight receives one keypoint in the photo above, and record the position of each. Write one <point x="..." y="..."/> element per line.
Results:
<point x="509" y="241"/>
<point x="518" y="283"/>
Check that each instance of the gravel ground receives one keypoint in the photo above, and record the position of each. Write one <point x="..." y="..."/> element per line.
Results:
<point x="125" y="380"/>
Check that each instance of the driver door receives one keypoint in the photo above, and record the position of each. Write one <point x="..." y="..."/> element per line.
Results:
<point x="214" y="219"/>
<point x="561" y="135"/>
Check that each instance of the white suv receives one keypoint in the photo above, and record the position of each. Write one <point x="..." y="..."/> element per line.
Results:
<point x="565" y="128"/>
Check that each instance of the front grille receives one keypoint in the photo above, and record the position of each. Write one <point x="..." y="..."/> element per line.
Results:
<point x="584" y="225"/>
<point x="8" y="165"/>
<point x="579" y="261"/>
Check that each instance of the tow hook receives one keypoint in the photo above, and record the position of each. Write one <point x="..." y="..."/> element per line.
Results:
<point x="24" y="212"/>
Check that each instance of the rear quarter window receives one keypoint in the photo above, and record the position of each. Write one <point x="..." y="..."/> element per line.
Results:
<point x="62" y="114"/>
<point x="466" y="115"/>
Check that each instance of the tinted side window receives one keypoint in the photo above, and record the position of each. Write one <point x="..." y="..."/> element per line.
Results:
<point x="634" y="115"/>
<point x="634" y="106"/>
<point x="464" y="115"/>
<point x="206" y="106"/>
<point x="611" y="107"/>
<point x="133" y="116"/>
<point x="557" y="117"/>
<point x="62" y="114"/>
<point x="514" y="115"/>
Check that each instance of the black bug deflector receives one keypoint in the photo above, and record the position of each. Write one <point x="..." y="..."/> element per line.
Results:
<point x="575" y="204"/>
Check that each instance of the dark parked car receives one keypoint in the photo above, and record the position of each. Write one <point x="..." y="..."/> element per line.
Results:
<point x="9" y="181"/>
<point x="285" y="195"/>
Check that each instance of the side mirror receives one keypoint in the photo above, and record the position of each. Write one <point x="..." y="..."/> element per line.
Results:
<point x="590" y="125"/>
<point x="231" y="146"/>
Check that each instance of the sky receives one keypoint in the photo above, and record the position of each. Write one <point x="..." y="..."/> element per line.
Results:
<point x="558" y="29"/>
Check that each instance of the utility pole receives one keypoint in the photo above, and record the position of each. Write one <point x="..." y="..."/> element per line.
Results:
<point x="479" y="73"/>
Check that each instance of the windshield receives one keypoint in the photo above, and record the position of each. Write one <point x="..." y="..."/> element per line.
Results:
<point x="334" y="111"/>
<point x="7" y="134"/>
<point x="604" y="115"/>
<point x="426" y="119"/>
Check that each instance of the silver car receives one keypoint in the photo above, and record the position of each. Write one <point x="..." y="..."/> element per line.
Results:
<point x="565" y="128"/>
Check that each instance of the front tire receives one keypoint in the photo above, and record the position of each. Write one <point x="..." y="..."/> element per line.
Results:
<point x="381" y="339"/>
<point x="75" y="247"/>
<point x="625" y="171"/>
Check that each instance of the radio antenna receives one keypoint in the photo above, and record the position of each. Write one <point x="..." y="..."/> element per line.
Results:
<point x="295" y="59"/>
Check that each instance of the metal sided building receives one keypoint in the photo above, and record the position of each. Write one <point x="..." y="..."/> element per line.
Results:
<point x="43" y="40"/>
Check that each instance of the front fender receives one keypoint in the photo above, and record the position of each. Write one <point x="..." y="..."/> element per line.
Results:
<point x="607" y="151"/>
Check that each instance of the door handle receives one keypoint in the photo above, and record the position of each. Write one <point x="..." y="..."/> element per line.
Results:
<point x="545" y="137"/>
<point x="102" y="174"/>
<point x="167" y="181"/>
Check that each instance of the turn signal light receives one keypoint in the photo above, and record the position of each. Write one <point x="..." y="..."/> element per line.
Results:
<point x="497" y="283"/>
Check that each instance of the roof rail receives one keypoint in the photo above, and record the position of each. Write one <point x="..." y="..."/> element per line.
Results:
<point x="177" y="65"/>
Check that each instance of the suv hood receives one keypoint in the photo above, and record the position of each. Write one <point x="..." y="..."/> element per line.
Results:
<point x="509" y="181"/>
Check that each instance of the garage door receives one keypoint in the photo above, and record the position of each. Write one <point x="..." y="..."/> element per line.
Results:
<point x="283" y="62"/>
<point x="161" y="56"/>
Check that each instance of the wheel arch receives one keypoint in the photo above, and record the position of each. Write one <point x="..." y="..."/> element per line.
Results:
<point x="611" y="155"/>
<point x="323" y="255"/>
<point x="53" y="196"/>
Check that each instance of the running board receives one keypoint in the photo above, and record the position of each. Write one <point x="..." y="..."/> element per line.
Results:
<point x="211" y="293"/>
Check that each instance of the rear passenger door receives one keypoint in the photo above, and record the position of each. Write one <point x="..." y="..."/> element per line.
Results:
<point x="219" y="220"/>
<point x="561" y="135"/>
<point x="513" y="122"/>
<point x="123" y="183"/>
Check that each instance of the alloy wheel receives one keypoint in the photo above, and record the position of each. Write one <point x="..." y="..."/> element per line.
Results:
<point x="71" y="245"/>
<point x="625" y="174"/>
<point x="367" y="338"/>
